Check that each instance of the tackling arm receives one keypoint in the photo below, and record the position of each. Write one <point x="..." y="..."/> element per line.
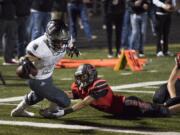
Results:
<point x="81" y="104"/>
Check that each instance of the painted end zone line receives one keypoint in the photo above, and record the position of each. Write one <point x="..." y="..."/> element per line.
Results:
<point x="140" y="84"/>
<point x="80" y="127"/>
<point x="134" y="91"/>
<point x="114" y="88"/>
<point x="11" y="99"/>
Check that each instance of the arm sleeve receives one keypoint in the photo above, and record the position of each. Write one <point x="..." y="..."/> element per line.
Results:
<point x="158" y="3"/>
<point x="98" y="94"/>
<point x="100" y="90"/>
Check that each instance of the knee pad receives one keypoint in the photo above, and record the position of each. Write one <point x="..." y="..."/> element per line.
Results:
<point x="32" y="98"/>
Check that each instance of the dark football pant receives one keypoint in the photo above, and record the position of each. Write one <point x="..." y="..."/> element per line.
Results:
<point x="162" y="95"/>
<point x="45" y="89"/>
<point x="134" y="107"/>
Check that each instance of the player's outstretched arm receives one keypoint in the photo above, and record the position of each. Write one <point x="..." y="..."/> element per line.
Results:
<point x="81" y="104"/>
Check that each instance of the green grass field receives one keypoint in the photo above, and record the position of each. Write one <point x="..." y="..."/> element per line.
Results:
<point x="157" y="69"/>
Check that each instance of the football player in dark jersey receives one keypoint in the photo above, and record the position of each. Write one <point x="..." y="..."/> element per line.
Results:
<point x="169" y="93"/>
<point x="97" y="93"/>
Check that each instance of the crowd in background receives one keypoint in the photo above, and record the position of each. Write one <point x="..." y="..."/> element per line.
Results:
<point x="24" y="20"/>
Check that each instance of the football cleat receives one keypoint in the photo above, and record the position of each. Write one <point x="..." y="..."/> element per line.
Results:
<point x="21" y="113"/>
<point x="46" y="113"/>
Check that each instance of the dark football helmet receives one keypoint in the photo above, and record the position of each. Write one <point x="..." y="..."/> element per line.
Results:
<point x="85" y="75"/>
<point x="58" y="35"/>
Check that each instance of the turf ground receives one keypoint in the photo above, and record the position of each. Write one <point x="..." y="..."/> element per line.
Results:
<point x="157" y="69"/>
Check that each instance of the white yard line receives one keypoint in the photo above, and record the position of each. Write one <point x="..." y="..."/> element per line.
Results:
<point x="80" y="127"/>
<point x="140" y="84"/>
<point x="11" y="99"/>
<point x="134" y="91"/>
<point x="8" y="104"/>
<point x="121" y="88"/>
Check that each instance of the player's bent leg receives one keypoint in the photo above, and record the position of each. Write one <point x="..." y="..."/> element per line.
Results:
<point x="161" y="94"/>
<point x="20" y="111"/>
<point x="57" y="96"/>
<point x="141" y="108"/>
<point x="29" y="99"/>
<point x="46" y="89"/>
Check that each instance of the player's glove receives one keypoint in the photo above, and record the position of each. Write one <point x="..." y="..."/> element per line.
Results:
<point x="26" y="68"/>
<point x="46" y="113"/>
<point x="177" y="59"/>
<point x="72" y="50"/>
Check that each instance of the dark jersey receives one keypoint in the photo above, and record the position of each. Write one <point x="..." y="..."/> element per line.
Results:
<point x="106" y="100"/>
<point x="139" y="9"/>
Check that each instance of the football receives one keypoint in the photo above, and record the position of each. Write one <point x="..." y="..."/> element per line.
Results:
<point x="33" y="71"/>
<point x="24" y="73"/>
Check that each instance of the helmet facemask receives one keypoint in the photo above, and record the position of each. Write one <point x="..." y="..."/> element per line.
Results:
<point x="58" y="36"/>
<point x="85" y="75"/>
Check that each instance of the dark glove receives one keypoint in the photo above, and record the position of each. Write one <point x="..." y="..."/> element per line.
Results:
<point x="73" y="50"/>
<point x="177" y="59"/>
<point x="26" y="68"/>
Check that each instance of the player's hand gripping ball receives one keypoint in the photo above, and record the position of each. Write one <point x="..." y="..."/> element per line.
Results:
<point x="26" y="69"/>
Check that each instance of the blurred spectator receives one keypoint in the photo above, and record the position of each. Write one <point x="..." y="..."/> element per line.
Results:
<point x="176" y="4"/>
<point x="22" y="14"/>
<point x="104" y="13"/>
<point x="40" y="15"/>
<point x="163" y="18"/>
<point x="59" y="10"/>
<point x="90" y="5"/>
<point x="126" y="29"/>
<point x="8" y="30"/>
<point x="114" y="15"/>
<point x="139" y="10"/>
<point x="76" y="8"/>
<point x="152" y="18"/>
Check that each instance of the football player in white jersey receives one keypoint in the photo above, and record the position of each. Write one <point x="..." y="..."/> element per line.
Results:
<point x="45" y="52"/>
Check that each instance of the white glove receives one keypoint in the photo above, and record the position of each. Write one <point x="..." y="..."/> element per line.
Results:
<point x="60" y="113"/>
